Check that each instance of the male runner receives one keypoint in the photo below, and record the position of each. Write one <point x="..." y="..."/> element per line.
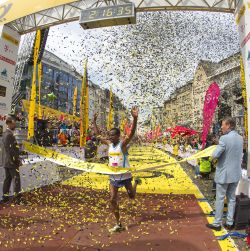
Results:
<point x="118" y="157"/>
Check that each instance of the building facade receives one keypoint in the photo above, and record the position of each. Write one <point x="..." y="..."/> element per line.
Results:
<point x="185" y="105"/>
<point x="59" y="78"/>
<point x="199" y="88"/>
<point x="178" y="108"/>
<point x="157" y="117"/>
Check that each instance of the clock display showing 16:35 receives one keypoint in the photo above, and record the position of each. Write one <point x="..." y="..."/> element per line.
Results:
<point x="110" y="12"/>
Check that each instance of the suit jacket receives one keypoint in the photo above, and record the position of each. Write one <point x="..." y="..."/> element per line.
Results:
<point x="10" y="150"/>
<point x="229" y="154"/>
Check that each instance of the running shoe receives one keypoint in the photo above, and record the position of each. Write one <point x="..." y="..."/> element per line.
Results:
<point x="138" y="181"/>
<point x="117" y="228"/>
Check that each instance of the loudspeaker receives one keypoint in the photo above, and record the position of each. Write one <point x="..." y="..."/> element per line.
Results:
<point x="242" y="212"/>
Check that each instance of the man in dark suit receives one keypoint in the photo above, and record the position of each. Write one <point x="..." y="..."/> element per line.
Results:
<point x="11" y="161"/>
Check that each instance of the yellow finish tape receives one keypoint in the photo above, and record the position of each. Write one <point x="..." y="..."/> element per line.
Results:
<point x="74" y="163"/>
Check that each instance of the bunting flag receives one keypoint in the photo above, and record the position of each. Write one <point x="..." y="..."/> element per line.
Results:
<point x="122" y="124"/>
<point x="84" y="113"/>
<point x="111" y="111"/>
<point x="210" y="103"/>
<point x="33" y="87"/>
<point x="127" y="128"/>
<point x="153" y="132"/>
<point x="149" y="135"/>
<point x="153" y="122"/>
<point x="244" y="95"/>
<point x="74" y="101"/>
<point x="157" y="132"/>
<point x="39" y="90"/>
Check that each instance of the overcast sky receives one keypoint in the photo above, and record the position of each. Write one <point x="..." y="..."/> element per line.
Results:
<point x="145" y="62"/>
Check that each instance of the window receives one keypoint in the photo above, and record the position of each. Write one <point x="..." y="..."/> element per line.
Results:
<point x="2" y="91"/>
<point x="44" y="69"/>
<point x="70" y="80"/>
<point x="61" y="88"/>
<point x="65" y="77"/>
<point x="56" y="75"/>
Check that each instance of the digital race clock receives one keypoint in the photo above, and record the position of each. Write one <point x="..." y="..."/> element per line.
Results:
<point x="108" y="16"/>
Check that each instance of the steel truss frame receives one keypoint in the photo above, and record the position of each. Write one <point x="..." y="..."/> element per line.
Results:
<point x="71" y="11"/>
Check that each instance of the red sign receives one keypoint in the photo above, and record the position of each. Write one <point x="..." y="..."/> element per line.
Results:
<point x="3" y="117"/>
<point x="9" y="61"/>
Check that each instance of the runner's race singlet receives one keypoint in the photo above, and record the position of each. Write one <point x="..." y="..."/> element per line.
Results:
<point x="118" y="159"/>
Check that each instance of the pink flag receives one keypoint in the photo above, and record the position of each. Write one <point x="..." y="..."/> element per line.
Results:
<point x="210" y="103"/>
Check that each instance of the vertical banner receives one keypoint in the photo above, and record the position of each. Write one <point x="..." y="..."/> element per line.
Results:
<point x="244" y="94"/>
<point x="152" y="123"/>
<point x="39" y="90"/>
<point x="122" y="123"/>
<point x="84" y="108"/>
<point x="111" y="111"/>
<point x="9" y="45"/>
<point x="242" y="17"/>
<point x="74" y="101"/>
<point x="210" y="103"/>
<point x="158" y="132"/>
<point x="33" y="87"/>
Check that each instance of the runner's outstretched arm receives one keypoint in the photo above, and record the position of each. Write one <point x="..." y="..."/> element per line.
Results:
<point x="97" y="132"/>
<point x="134" y="113"/>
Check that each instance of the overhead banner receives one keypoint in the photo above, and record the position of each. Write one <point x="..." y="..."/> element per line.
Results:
<point x="14" y="9"/>
<point x="48" y="112"/>
<point x="242" y="17"/>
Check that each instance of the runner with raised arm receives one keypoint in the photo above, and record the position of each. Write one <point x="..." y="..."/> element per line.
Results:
<point x="118" y="157"/>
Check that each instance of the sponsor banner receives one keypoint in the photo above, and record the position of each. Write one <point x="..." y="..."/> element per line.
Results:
<point x="11" y="10"/>
<point x="9" y="44"/>
<point x="242" y="15"/>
